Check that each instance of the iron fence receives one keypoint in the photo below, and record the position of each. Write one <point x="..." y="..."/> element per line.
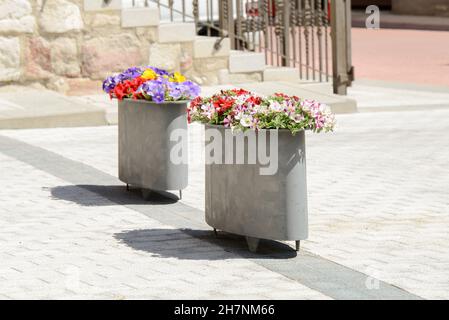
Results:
<point x="310" y="35"/>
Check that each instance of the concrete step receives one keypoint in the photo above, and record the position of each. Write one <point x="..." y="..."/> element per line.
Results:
<point x="140" y="17"/>
<point x="177" y="32"/>
<point x="280" y="73"/>
<point x="22" y="107"/>
<point x="319" y="92"/>
<point x="204" y="47"/>
<point x="244" y="61"/>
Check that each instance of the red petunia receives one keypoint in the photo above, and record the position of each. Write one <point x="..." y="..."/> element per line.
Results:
<point x="223" y="104"/>
<point x="240" y="92"/>
<point x="254" y="100"/>
<point x="129" y="89"/>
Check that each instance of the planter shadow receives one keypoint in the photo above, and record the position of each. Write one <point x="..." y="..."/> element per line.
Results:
<point x="183" y="244"/>
<point x="110" y="195"/>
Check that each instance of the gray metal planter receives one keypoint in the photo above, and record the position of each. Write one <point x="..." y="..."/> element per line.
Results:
<point x="240" y="200"/>
<point x="144" y="144"/>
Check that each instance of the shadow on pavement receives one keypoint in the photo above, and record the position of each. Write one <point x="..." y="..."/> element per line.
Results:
<point x="183" y="244"/>
<point x="110" y="195"/>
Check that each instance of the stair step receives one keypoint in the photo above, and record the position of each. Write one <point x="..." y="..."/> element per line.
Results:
<point x="203" y="47"/>
<point x="140" y="17"/>
<point x="306" y="90"/>
<point x="280" y="74"/>
<point x="241" y="61"/>
<point x="176" y="32"/>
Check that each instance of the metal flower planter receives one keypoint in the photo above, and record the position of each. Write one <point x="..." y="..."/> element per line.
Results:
<point x="145" y="145"/>
<point x="240" y="200"/>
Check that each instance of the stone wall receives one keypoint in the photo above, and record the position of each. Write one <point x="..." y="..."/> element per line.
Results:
<point x="71" y="42"/>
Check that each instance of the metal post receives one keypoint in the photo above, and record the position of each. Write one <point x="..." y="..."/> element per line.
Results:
<point x="226" y="14"/>
<point x="286" y="34"/>
<point x="343" y="72"/>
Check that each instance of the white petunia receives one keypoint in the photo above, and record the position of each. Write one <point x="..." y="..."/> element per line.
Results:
<point x="246" y="120"/>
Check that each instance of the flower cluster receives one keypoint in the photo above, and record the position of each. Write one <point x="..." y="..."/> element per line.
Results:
<point x="239" y="109"/>
<point x="150" y="83"/>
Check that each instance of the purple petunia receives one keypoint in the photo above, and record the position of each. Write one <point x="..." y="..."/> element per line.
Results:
<point x="111" y="82"/>
<point x="159" y="88"/>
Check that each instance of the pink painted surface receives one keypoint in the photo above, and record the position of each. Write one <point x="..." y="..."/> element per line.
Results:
<point x="411" y="56"/>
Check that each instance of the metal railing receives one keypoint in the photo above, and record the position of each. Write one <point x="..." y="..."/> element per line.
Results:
<point x="293" y="33"/>
<point x="310" y="35"/>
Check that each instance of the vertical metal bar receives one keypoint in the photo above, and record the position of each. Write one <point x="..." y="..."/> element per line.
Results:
<point x="319" y="22"/>
<point x="286" y="34"/>
<point x="278" y="30"/>
<point x="306" y="34"/>
<point x="211" y="15"/>
<point x="341" y="45"/>
<point x="253" y="27"/>
<point x="221" y="18"/>
<point x="226" y="12"/>
<point x="300" y="21"/>
<point x="208" y="17"/>
<point x="350" y="68"/>
<point x="260" y="27"/>
<point x="195" y="12"/>
<point x="170" y="4"/>
<point x="239" y="21"/>
<point x="231" y="25"/>
<point x="272" y="34"/>
<point x="312" y="33"/>
<point x="326" y="33"/>
<point x="183" y="10"/>
<point x="293" y="30"/>
<point x="266" y="26"/>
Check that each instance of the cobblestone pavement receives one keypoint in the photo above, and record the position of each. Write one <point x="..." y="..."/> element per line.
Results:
<point x="378" y="203"/>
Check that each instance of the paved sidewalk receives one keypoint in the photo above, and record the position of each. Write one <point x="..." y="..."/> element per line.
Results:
<point x="26" y="107"/>
<point x="408" y="56"/>
<point x="379" y="215"/>
<point x="374" y="96"/>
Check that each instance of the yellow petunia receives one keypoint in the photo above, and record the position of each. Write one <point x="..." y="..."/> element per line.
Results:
<point x="149" y="74"/>
<point x="177" y="77"/>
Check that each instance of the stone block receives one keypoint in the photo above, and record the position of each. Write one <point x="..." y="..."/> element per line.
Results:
<point x="166" y="56"/>
<point x="60" y="16"/>
<point x="211" y="64"/>
<point x="64" y="57"/>
<point x="14" y="9"/>
<point x="15" y="17"/>
<point x="98" y="20"/>
<point x="37" y="59"/>
<point x="240" y="61"/>
<point x="203" y="47"/>
<point x="101" y="56"/>
<point x="140" y="17"/>
<point x="9" y="59"/>
<point x="280" y="74"/>
<point x="176" y="32"/>
<point x="24" y="24"/>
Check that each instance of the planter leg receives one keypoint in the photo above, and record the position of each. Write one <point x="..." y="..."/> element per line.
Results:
<point x="180" y="194"/>
<point x="253" y="243"/>
<point x="298" y="243"/>
<point x="127" y="187"/>
<point x="215" y="233"/>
